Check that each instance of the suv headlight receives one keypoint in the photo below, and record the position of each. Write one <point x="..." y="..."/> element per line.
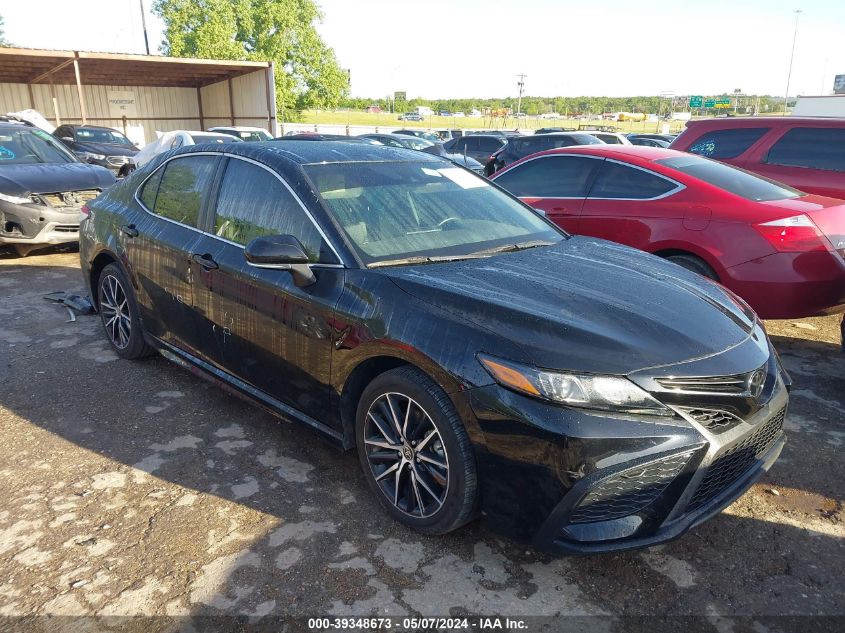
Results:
<point x="15" y="199"/>
<point x="90" y="156"/>
<point x="587" y="391"/>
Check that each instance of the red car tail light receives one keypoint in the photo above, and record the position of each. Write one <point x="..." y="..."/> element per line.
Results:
<point x="795" y="234"/>
<point x="85" y="210"/>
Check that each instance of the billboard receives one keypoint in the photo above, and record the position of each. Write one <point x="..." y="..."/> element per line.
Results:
<point x="839" y="85"/>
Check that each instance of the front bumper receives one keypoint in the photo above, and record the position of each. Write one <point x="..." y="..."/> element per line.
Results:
<point x="38" y="224"/>
<point x="572" y="481"/>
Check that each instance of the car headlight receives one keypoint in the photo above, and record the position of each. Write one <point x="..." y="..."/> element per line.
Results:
<point x="90" y="156"/>
<point x="605" y="393"/>
<point x="15" y="199"/>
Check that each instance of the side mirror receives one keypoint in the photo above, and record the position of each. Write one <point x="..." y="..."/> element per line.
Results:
<point x="283" y="252"/>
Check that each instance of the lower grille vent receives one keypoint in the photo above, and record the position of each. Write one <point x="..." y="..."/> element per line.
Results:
<point x="629" y="491"/>
<point x="736" y="461"/>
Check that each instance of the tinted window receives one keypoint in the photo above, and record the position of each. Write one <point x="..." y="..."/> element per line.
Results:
<point x="816" y="148"/>
<point x="489" y="144"/>
<point x="394" y="210"/>
<point x="550" y="177"/>
<point x="736" y="181"/>
<point x="620" y="181"/>
<point x="150" y="189"/>
<point x="253" y="202"/>
<point x="184" y="185"/>
<point x="727" y="143"/>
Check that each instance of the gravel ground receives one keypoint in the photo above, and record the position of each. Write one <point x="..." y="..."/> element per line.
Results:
<point x="137" y="488"/>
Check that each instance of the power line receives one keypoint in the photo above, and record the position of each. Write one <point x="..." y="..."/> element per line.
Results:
<point x="521" y="84"/>
<point x="798" y="13"/>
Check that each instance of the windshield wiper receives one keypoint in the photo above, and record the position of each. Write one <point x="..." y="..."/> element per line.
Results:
<point x="425" y="259"/>
<point x="510" y="248"/>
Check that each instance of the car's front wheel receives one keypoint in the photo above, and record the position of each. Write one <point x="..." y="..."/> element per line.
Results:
<point x="415" y="452"/>
<point x="119" y="314"/>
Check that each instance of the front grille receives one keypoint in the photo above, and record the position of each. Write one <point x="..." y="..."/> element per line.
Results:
<point x="736" y="461"/>
<point x="707" y="384"/>
<point x="629" y="491"/>
<point x="70" y="198"/>
<point x="66" y="228"/>
<point x="713" y="420"/>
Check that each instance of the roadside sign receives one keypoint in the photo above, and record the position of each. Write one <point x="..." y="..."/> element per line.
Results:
<point x="723" y="101"/>
<point x="710" y="103"/>
<point x="696" y="102"/>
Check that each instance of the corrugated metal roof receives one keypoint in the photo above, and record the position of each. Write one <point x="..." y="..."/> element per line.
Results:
<point x="29" y="65"/>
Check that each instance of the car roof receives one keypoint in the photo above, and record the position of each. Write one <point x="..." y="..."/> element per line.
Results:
<point x="768" y="121"/>
<point x="278" y="152"/>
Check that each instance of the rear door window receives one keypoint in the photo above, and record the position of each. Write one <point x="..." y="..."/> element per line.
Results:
<point x="184" y="185"/>
<point x="550" y="177"/>
<point x="621" y="182"/>
<point x="727" y="143"/>
<point x="811" y="147"/>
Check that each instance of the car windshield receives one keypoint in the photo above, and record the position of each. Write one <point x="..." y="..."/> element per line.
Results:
<point x="395" y="211"/>
<point x="214" y="138"/>
<point x="97" y="135"/>
<point x="27" y="146"/>
<point x="737" y="181"/>
<point x="254" y="135"/>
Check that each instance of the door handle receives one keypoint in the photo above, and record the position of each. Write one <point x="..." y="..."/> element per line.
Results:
<point x="205" y="260"/>
<point x="130" y="230"/>
<point x="559" y="209"/>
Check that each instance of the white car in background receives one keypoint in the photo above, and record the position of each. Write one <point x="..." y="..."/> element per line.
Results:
<point x="179" y="138"/>
<point x="611" y="138"/>
<point x="248" y="134"/>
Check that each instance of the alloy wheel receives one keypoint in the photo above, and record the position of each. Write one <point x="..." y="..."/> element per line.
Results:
<point x="406" y="455"/>
<point x="114" y="307"/>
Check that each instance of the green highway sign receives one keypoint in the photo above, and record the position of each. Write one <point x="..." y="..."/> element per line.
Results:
<point x="723" y="101"/>
<point x="695" y="102"/>
<point x="710" y="103"/>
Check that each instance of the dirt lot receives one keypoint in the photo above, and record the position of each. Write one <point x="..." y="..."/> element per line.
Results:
<point x="138" y="488"/>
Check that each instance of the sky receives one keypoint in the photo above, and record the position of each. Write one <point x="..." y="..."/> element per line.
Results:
<point x="475" y="48"/>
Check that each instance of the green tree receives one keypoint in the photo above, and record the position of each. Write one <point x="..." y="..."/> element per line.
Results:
<point x="3" y="40"/>
<point x="282" y="31"/>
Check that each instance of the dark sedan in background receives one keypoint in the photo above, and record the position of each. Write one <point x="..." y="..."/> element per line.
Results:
<point x="423" y="145"/>
<point x="520" y="147"/>
<point x="43" y="187"/>
<point x="576" y="392"/>
<point x="101" y="146"/>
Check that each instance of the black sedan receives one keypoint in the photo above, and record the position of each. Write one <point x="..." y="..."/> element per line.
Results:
<point x="99" y="146"/>
<point x="572" y="391"/>
<point x="520" y="147"/>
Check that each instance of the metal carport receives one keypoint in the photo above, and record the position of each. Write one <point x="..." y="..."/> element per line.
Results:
<point x="137" y="91"/>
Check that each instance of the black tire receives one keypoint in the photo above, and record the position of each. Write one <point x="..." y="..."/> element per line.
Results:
<point x="122" y="326"/>
<point x="425" y="503"/>
<point x="695" y="264"/>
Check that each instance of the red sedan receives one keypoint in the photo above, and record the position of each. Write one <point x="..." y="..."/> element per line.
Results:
<point x="781" y="250"/>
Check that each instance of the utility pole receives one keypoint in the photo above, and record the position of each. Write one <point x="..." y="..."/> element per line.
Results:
<point x="144" y="26"/>
<point x="521" y="84"/>
<point x="798" y="13"/>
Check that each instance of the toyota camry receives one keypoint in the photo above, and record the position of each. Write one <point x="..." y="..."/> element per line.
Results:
<point x="482" y="362"/>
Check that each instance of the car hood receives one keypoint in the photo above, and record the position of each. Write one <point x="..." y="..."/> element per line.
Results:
<point x="22" y="180"/>
<point x="586" y="305"/>
<point x="106" y="149"/>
